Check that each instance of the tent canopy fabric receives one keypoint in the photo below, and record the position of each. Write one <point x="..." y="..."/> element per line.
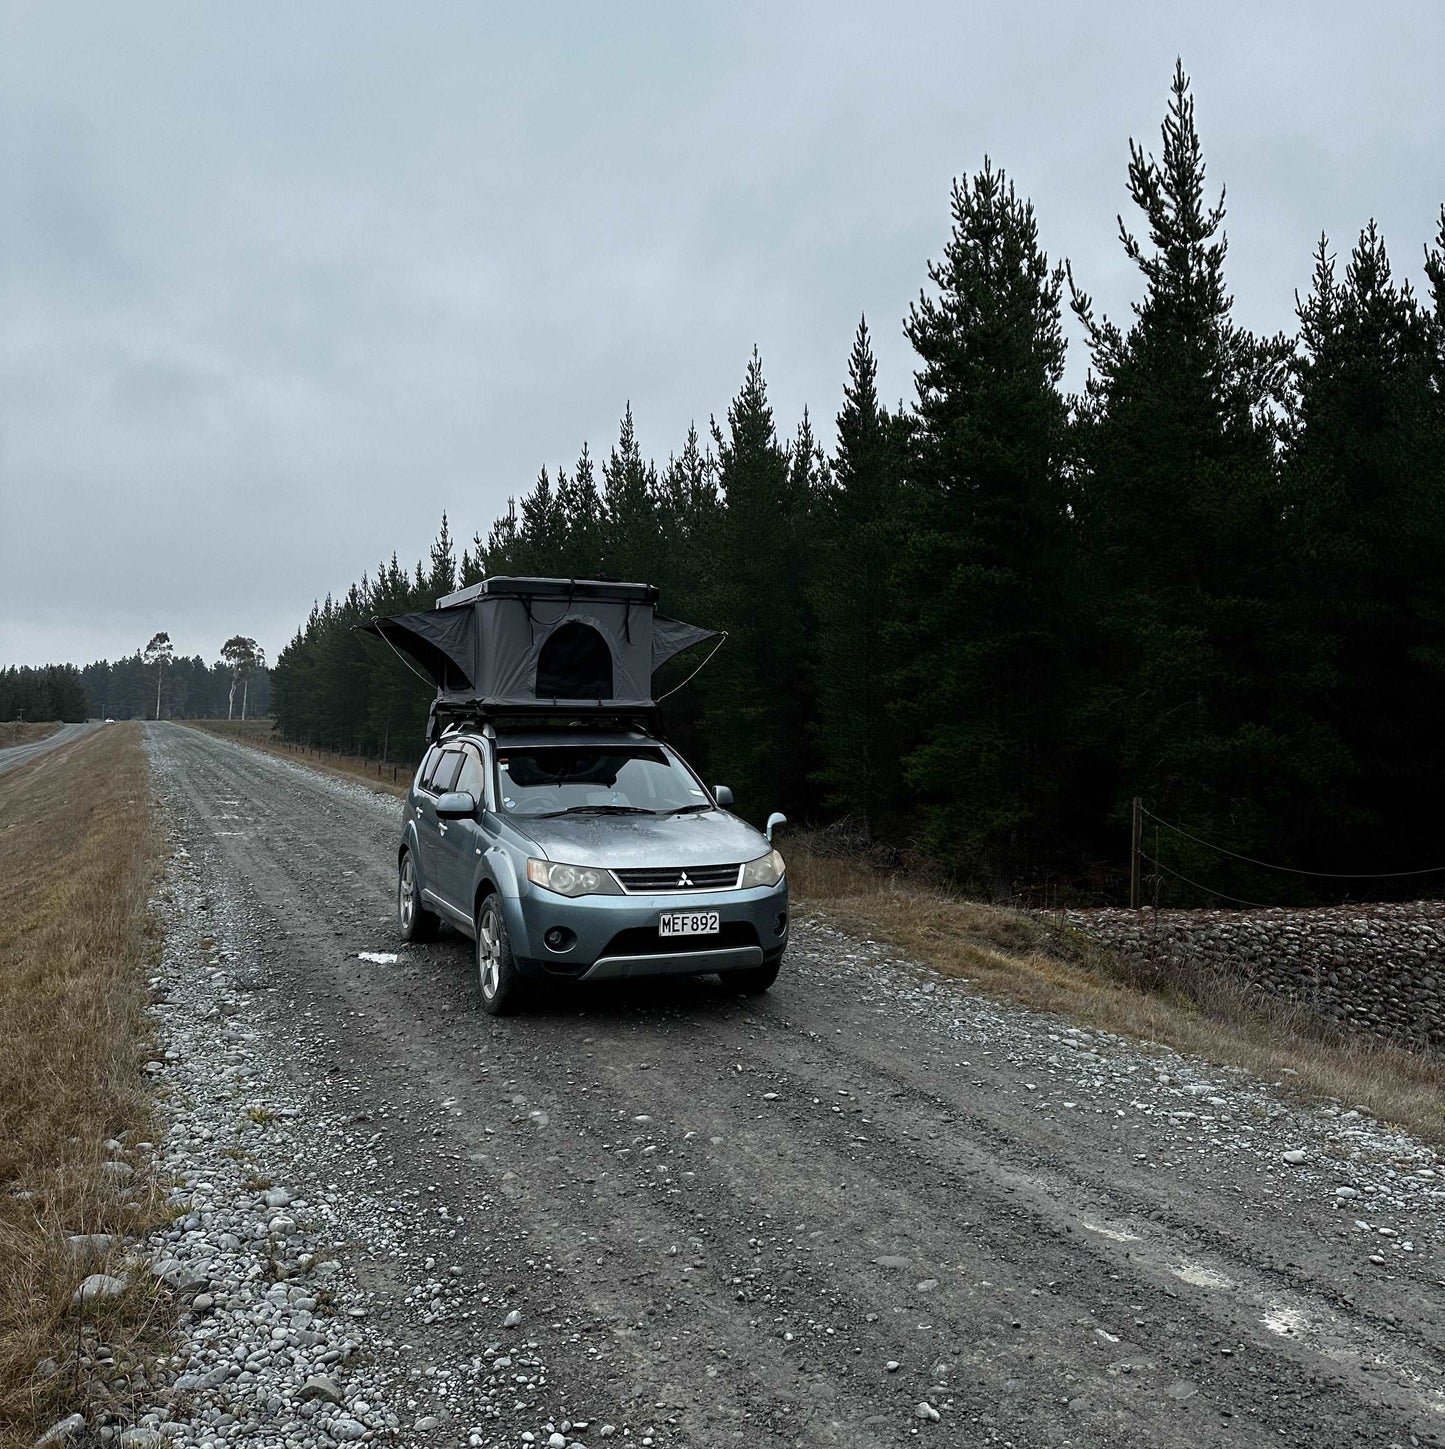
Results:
<point x="524" y="644"/>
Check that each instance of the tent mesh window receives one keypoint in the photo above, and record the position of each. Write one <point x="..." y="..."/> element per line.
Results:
<point x="574" y="663"/>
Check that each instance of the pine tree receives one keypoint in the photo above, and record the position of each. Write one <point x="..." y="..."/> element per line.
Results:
<point x="443" y="577"/>
<point x="499" y="553"/>
<point x="541" y="539"/>
<point x="854" y="599"/>
<point x="984" y="561"/>
<point x="580" y="507"/>
<point x="629" y="516"/>
<point x="753" y="721"/>
<point x="1366" y="527"/>
<point x="1199" y="667"/>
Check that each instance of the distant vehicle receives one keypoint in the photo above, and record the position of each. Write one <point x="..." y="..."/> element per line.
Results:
<point x="110" y="721"/>
<point x="572" y="855"/>
<point x="549" y="823"/>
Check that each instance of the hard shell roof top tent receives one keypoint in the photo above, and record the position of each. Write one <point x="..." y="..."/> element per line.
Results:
<point x="521" y="646"/>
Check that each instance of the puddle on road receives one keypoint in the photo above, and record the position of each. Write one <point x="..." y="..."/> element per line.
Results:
<point x="1200" y="1276"/>
<point x="1116" y="1235"/>
<point x="1282" y="1320"/>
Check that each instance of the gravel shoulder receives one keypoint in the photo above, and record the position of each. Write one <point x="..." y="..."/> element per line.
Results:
<point x="868" y="1209"/>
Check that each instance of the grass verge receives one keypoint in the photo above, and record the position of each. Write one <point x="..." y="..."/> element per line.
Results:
<point x="1025" y="959"/>
<point x="79" y="853"/>
<point x="25" y="731"/>
<point x="261" y="735"/>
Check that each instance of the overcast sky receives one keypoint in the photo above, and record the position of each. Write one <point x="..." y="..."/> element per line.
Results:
<point x="278" y="284"/>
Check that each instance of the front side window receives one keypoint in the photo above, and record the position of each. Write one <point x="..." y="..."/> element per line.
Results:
<point x="624" y="779"/>
<point x="446" y="773"/>
<point x="471" y="780"/>
<point x="428" y="767"/>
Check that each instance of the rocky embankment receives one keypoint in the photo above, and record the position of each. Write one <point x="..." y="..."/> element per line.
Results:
<point x="1377" y="967"/>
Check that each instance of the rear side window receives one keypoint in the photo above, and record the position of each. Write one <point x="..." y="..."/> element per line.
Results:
<point x="446" y="772"/>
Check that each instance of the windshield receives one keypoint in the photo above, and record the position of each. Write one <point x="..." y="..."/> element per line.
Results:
<point x="555" y="779"/>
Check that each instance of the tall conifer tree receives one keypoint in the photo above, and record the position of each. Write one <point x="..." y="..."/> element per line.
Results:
<point x="985" y="557"/>
<point x="1193" y="701"/>
<point x="854" y="598"/>
<point x="1368" y="534"/>
<point x="753" y="724"/>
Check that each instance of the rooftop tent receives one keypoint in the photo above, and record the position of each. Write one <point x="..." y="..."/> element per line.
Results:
<point x="513" y="644"/>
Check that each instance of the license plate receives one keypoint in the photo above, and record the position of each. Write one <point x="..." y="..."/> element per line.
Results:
<point x="689" y="923"/>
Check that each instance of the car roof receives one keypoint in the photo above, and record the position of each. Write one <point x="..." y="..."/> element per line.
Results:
<point x="528" y="739"/>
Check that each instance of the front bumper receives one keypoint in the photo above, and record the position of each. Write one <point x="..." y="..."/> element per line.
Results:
<point x="608" y="937"/>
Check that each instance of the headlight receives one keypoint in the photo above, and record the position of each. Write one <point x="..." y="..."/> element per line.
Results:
<point x="572" y="880"/>
<point x="766" y="870"/>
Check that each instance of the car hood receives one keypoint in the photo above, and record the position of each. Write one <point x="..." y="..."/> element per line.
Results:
<point x="625" y="842"/>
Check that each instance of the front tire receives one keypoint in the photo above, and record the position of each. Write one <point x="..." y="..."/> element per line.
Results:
<point x="415" y="922"/>
<point x="755" y="980"/>
<point x="498" y="979"/>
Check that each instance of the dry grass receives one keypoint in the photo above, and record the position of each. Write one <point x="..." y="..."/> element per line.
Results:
<point x="25" y="731"/>
<point x="260" y="735"/>
<point x="78" y="853"/>
<point x="1028" y="960"/>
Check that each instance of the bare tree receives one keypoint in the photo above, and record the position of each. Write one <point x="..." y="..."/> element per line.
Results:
<point x="243" y="655"/>
<point x="159" y="652"/>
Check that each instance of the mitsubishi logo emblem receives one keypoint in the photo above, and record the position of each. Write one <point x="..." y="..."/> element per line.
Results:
<point x="684" y="879"/>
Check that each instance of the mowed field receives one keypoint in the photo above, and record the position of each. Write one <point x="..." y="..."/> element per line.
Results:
<point x="78" y="856"/>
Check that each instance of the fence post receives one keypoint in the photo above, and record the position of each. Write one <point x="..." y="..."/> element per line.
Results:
<point x="1136" y="841"/>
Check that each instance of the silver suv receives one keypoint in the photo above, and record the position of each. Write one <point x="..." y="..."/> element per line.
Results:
<point x="586" y="855"/>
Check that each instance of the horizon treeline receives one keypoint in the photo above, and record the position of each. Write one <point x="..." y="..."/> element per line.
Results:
<point x="995" y="614"/>
<point x="126" y="689"/>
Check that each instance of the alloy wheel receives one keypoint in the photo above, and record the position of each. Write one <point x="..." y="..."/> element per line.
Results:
<point x="489" y="951"/>
<point x="406" y="893"/>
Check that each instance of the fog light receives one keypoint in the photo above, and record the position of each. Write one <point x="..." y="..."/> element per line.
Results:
<point x="559" y="938"/>
<point x="782" y="927"/>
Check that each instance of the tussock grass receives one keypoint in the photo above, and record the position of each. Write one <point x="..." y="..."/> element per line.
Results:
<point x="260" y="734"/>
<point x="1029" y="960"/>
<point x="25" y="731"/>
<point x="78" y="854"/>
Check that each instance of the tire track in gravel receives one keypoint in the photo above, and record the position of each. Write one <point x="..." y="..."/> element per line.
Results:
<point x="1051" y="1249"/>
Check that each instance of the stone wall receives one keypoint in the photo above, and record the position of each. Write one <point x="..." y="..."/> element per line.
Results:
<point x="1377" y="967"/>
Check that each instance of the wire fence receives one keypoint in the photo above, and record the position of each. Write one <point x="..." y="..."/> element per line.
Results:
<point x="1161" y="869"/>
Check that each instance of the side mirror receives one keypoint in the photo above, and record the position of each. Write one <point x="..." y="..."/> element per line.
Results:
<point x="774" y="820"/>
<point x="722" y="795"/>
<point x="456" y="805"/>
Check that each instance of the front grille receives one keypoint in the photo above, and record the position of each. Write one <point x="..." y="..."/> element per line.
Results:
<point x="665" y="879"/>
<point x="645" y="941"/>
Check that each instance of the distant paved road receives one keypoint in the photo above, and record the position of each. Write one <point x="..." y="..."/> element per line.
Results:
<point x="22" y="754"/>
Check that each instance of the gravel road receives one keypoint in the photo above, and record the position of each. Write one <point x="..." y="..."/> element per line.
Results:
<point x="67" y="734"/>
<point x="871" y="1208"/>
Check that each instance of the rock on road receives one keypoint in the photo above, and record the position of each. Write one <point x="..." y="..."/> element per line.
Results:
<point x="871" y="1208"/>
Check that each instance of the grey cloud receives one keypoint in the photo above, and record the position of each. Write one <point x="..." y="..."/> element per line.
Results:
<point x="277" y="287"/>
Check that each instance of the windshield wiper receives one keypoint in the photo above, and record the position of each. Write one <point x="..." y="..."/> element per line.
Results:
<point x="597" y="810"/>
<point x="689" y="809"/>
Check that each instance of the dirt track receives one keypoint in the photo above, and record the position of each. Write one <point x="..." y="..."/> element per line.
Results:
<point x="724" y="1221"/>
